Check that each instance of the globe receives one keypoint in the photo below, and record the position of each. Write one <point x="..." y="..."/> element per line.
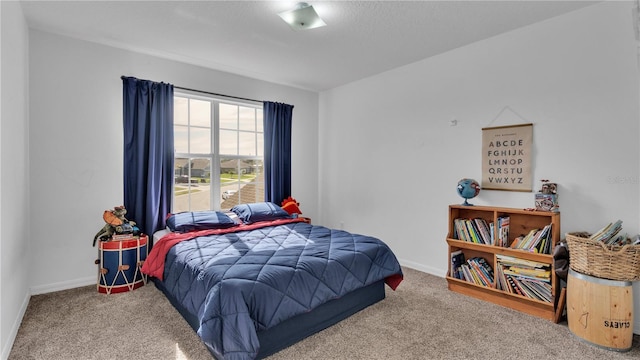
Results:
<point x="468" y="189"/>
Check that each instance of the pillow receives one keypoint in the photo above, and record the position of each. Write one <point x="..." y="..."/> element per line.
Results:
<point x="159" y="234"/>
<point x="233" y="216"/>
<point x="262" y="211"/>
<point x="198" y="220"/>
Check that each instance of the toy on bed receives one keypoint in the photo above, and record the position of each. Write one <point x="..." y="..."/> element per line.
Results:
<point x="291" y="206"/>
<point x="116" y="223"/>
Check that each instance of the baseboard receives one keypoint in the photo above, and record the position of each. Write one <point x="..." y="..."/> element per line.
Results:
<point x="63" y="285"/>
<point x="6" y="348"/>
<point x="424" y="268"/>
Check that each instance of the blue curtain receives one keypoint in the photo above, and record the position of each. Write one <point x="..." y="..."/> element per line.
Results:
<point x="277" y="151"/>
<point x="148" y="152"/>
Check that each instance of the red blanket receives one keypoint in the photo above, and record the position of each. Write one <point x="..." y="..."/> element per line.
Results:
<point x="154" y="264"/>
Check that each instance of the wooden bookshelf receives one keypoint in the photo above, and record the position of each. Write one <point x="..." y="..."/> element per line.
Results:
<point x="521" y="222"/>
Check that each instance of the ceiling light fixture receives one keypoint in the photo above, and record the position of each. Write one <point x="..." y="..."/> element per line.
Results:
<point x="303" y="17"/>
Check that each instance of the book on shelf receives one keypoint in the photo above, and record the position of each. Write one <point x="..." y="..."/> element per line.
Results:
<point x="472" y="230"/>
<point x="486" y="267"/>
<point x="466" y="273"/>
<point x="481" y="274"/>
<point x="478" y="271"/>
<point x="522" y="242"/>
<point x="503" y="231"/>
<point x="506" y="259"/>
<point x="457" y="259"/>
<point x="524" y="267"/>
<point x="526" y="291"/>
<point x="473" y="233"/>
<point x="524" y="271"/>
<point x="461" y="230"/>
<point x="513" y="288"/>
<point x="534" y="289"/>
<point x="483" y="229"/>
<point x="511" y="272"/>
<point x="546" y="238"/>
<point x="527" y="278"/>
<point x="493" y="234"/>
<point x="501" y="283"/>
<point x="542" y="241"/>
<point x="536" y="240"/>
<point x="541" y="291"/>
<point x="476" y="276"/>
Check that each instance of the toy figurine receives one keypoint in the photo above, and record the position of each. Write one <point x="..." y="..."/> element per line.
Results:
<point x="546" y="199"/>
<point x="116" y="223"/>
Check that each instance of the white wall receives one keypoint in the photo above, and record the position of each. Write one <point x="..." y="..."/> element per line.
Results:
<point x="390" y="161"/>
<point x="76" y="144"/>
<point x="15" y="222"/>
<point x="384" y="145"/>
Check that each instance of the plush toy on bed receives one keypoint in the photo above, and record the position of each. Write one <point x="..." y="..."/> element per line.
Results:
<point x="290" y="205"/>
<point x="116" y="223"/>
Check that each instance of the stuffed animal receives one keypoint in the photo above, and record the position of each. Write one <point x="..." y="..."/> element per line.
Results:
<point x="548" y="187"/>
<point x="116" y="223"/>
<point x="290" y="205"/>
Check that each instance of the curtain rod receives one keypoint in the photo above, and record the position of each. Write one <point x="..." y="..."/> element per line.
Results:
<point x="216" y="94"/>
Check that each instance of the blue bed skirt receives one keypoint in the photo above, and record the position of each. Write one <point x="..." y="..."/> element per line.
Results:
<point x="299" y="327"/>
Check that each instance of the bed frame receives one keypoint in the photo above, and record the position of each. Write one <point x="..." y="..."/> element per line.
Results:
<point x="299" y="327"/>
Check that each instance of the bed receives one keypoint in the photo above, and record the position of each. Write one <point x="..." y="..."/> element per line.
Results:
<point x="253" y="285"/>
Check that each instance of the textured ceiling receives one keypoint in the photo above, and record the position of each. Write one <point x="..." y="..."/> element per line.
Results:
<point x="362" y="38"/>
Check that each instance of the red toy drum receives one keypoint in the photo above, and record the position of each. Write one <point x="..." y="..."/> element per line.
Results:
<point x="120" y="263"/>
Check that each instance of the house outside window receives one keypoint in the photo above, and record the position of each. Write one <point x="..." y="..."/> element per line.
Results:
<point x="218" y="153"/>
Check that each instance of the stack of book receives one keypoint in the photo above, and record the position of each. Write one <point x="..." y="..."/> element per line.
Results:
<point x="473" y="230"/>
<point x="480" y="231"/>
<point x="476" y="270"/>
<point x="609" y="235"/>
<point x="537" y="240"/>
<point x="527" y="278"/>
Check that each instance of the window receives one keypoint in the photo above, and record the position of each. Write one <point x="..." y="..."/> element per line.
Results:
<point x="218" y="153"/>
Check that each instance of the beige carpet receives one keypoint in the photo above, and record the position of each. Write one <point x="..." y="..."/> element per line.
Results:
<point x="421" y="320"/>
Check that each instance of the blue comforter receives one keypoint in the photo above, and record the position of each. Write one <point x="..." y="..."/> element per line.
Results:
<point x="243" y="282"/>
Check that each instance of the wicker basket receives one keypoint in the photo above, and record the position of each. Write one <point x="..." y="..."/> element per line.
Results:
<point x="591" y="257"/>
